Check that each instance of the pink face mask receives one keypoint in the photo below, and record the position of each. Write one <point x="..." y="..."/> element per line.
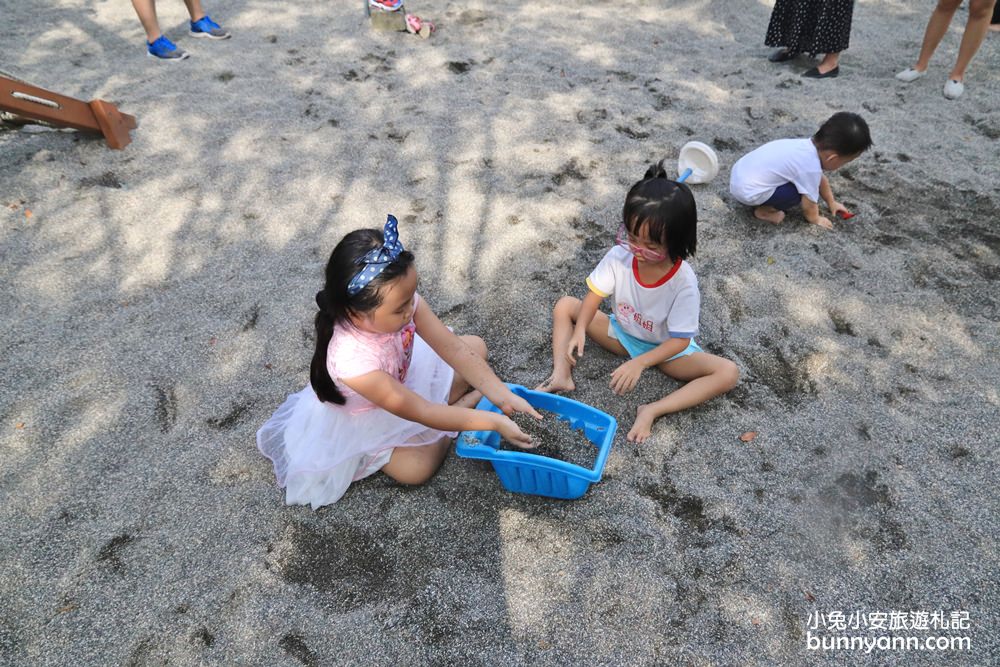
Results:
<point x="649" y="255"/>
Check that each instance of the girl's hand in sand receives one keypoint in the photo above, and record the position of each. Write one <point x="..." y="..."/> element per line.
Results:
<point x="511" y="432"/>
<point x="625" y="377"/>
<point x="512" y="403"/>
<point x="823" y="222"/>
<point x="576" y="345"/>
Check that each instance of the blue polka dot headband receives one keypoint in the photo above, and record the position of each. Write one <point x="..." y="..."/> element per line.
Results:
<point x="378" y="259"/>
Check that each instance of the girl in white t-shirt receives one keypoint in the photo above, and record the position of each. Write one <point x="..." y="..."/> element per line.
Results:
<point x="656" y="302"/>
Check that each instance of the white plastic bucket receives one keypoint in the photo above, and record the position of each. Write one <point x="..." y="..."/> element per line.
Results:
<point x="700" y="159"/>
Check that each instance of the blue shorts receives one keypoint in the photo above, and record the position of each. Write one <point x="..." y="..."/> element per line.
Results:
<point x="636" y="346"/>
<point x="785" y="198"/>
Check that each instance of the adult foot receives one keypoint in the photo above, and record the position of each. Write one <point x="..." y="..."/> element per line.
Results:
<point x="556" y="385"/>
<point x="953" y="89"/>
<point x="781" y="55"/>
<point x="910" y="74"/>
<point x="817" y="73"/>
<point x="642" y="426"/>
<point x="772" y="215"/>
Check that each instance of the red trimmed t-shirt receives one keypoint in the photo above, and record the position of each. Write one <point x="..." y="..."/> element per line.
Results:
<point x="655" y="312"/>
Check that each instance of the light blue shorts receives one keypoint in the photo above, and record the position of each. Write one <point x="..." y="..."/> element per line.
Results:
<point x="636" y="346"/>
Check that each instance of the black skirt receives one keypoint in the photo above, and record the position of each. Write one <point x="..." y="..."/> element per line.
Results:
<point x="811" y="26"/>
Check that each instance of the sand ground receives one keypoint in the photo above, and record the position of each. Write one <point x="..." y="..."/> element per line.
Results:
<point x="158" y="302"/>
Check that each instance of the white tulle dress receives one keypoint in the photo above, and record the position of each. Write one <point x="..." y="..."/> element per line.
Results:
<point x="319" y="448"/>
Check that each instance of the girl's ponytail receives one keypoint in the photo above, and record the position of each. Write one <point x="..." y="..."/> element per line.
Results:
<point x="656" y="171"/>
<point x="337" y="304"/>
<point x="319" y="376"/>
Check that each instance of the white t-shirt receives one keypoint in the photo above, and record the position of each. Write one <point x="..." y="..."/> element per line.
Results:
<point x="655" y="313"/>
<point x="756" y="175"/>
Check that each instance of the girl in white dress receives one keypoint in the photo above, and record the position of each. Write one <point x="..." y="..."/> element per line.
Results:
<point x="390" y="385"/>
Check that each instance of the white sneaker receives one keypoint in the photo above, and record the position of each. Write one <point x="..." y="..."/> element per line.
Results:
<point x="953" y="89"/>
<point x="909" y="75"/>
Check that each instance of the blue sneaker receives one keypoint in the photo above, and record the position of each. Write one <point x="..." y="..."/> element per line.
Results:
<point x="164" y="49"/>
<point x="206" y="27"/>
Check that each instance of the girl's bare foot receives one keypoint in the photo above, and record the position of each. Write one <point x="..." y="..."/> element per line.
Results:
<point x="555" y="385"/>
<point x="642" y="426"/>
<point x="772" y="215"/>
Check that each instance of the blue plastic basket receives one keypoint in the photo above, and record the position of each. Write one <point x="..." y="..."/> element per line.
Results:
<point x="523" y="472"/>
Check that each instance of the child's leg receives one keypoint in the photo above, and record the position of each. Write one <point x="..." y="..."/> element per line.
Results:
<point x="146" y="11"/>
<point x="769" y="213"/>
<point x="706" y="375"/>
<point x="416" y="465"/>
<point x="195" y="9"/>
<point x="785" y="197"/>
<point x="564" y="316"/>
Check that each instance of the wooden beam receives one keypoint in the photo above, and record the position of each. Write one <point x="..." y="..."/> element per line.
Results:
<point x="98" y="117"/>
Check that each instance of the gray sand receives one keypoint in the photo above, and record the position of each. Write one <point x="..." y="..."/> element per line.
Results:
<point x="554" y="438"/>
<point x="158" y="307"/>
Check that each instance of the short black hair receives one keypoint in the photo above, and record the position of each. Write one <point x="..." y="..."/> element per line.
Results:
<point x="667" y="209"/>
<point x="845" y="133"/>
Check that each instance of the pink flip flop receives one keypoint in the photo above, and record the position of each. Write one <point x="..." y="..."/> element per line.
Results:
<point x="418" y="26"/>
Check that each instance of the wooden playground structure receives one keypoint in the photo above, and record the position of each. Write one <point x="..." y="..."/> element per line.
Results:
<point x="37" y="104"/>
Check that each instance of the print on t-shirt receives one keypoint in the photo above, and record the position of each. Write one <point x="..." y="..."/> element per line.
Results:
<point x="627" y="313"/>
